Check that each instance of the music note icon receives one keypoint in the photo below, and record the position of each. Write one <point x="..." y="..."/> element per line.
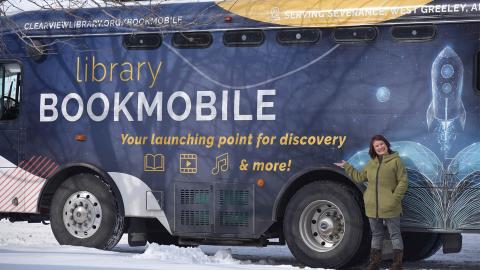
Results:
<point x="221" y="164"/>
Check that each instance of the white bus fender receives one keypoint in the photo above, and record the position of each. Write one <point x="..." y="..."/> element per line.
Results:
<point x="134" y="195"/>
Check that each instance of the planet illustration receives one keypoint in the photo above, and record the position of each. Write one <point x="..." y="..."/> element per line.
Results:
<point x="383" y="94"/>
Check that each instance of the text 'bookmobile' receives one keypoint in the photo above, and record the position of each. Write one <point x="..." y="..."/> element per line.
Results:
<point x="219" y="122"/>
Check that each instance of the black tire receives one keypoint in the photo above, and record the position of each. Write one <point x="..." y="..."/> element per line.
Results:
<point x="102" y="227"/>
<point x="363" y="252"/>
<point x="420" y="245"/>
<point x="327" y="199"/>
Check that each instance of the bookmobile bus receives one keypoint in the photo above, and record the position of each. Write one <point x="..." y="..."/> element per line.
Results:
<point x="218" y="122"/>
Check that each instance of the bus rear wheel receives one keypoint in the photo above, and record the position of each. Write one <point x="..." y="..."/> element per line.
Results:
<point x="324" y="225"/>
<point x="420" y="245"/>
<point x="84" y="212"/>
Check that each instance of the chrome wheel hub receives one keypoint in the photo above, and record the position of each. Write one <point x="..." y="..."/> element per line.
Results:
<point x="82" y="214"/>
<point x="322" y="225"/>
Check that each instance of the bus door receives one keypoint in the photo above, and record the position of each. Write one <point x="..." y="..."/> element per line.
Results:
<point x="11" y="185"/>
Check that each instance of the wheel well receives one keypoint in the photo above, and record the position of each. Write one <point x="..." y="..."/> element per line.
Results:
<point x="307" y="178"/>
<point x="64" y="173"/>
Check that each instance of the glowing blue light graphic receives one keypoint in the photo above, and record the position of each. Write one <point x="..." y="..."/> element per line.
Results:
<point x="415" y="156"/>
<point x="447" y="71"/>
<point x="466" y="161"/>
<point x="383" y="94"/>
<point x="437" y="197"/>
<point x="446" y="88"/>
<point x="446" y="106"/>
<point x="445" y="133"/>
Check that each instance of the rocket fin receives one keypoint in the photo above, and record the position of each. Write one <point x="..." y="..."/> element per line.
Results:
<point x="463" y="116"/>
<point x="430" y="116"/>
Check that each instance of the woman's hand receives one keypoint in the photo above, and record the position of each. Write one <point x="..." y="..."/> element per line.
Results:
<point x="341" y="164"/>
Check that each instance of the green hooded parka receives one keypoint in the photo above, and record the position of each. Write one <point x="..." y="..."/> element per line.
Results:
<point x="387" y="183"/>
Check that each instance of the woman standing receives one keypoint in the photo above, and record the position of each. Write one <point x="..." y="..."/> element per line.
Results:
<point x="387" y="183"/>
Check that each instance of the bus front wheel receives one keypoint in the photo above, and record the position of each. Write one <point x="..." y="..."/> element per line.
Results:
<point x="324" y="224"/>
<point x="84" y="212"/>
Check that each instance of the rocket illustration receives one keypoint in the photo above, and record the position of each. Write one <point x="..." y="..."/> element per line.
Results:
<point x="447" y="86"/>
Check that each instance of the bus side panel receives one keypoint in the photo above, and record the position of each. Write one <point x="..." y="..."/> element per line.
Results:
<point x="335" y="96"/>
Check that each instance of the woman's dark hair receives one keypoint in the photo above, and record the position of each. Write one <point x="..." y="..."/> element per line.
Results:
<point x="372" y="152"/>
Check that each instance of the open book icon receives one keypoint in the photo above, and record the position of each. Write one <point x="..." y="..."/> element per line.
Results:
<point x="439" y="196"/>
<point x="154" y="163"/>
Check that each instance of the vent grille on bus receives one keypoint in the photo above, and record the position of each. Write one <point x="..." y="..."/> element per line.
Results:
<point x="218" y="209"/>
<point x="194" y="218"/>
<point x="233" y="219"/>
<point x="194" y="207"/>
<point x="233" y="197"/>
<point x="194" y="196"/>
<point x="234" y="209"/>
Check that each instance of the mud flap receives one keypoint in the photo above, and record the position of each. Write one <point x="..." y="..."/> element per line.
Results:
<point x="452" y="242"/>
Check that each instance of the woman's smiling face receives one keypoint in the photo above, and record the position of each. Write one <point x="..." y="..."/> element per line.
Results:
<point x="380" y="148"/>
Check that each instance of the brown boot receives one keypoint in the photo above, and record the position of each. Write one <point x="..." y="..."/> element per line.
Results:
<point x="375" y="259"/>
<point x="397" y="259"/>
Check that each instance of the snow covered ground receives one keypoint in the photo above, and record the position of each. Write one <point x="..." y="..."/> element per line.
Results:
<point x="32" y="246"/>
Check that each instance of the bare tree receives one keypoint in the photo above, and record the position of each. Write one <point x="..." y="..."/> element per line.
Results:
<point x="145" y="10"/>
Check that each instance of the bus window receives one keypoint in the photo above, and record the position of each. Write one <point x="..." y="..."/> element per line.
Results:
<point x="142" y="41"/>
<point x="355" y="34"/>
<point x="243" y="38"/>
<point x="298" y="36"/>
<point x="413" y="32"/>
<point x="192" y="40"/>
<point x="10" y="77"/>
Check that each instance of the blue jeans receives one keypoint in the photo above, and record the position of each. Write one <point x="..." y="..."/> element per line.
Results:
<point x="378" y="232"/>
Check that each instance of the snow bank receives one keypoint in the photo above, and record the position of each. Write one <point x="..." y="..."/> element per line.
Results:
<point x="174" y="254"/>
<point x="26" y="234"/>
